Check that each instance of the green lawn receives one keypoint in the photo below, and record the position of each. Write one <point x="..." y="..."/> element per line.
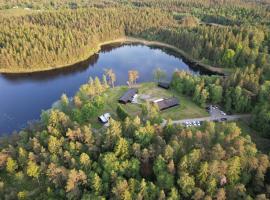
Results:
<point x="187" y="108"/>
<point x="112" y="96"/>
<point x="149" y="91"/>
<point x="111" y="101"/>
<point x="263" y="144"/>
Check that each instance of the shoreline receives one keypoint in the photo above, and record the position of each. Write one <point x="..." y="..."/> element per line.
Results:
<point x="123" y="40"/>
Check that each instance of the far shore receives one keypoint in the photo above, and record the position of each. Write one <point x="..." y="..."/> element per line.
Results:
<point x="121" y="40"/>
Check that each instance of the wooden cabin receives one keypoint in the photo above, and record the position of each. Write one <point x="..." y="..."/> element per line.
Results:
<point x="167" y="103"/>
<point x="165" y="85"/>
<point x="128" y="96"/>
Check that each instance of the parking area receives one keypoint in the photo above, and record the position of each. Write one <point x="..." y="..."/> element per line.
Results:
<point x="192" y="123"/>
<point x="216" y="115"/>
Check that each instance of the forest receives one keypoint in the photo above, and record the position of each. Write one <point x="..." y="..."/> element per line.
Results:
<point x="223" y="36"/>
<point x="63" y="156"/>
<point x="241" y="92"/>
<point x="62" y="37"/>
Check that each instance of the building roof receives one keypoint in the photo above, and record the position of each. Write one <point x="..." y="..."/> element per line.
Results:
<point x="167" y="103"/>
<point x="165" y="85"/>
<point x="158" y="100"/>
<point x="104" y="118"/>
<point x="128" y="96"/>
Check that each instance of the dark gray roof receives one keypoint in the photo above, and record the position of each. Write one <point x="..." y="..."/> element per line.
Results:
<point x="167" y="103"/>
<point x="165" y="85"/>
<point x="128" y="96"/>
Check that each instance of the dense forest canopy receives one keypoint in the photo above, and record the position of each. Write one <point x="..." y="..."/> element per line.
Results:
<point x="226" y="35"/>
<point x="63" y="37"/>
<point x="165" y="3"/>
<point x="64" y="157"/>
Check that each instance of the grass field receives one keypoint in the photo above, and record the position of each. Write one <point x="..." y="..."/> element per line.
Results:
<point x="187" y="108"/>
<point x="111" y="101"/>
<point x="148" y="92"/>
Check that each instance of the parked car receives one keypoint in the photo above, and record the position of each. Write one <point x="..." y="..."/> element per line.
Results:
<point x="223" y="113"/>
<point x="223" y="119"/>
<point x="104" y="118"/>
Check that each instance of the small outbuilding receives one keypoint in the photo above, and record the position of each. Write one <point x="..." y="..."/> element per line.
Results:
<point x="165" y="85"/>
<point x="128" y="96"/>
<point x="167" y="103"/>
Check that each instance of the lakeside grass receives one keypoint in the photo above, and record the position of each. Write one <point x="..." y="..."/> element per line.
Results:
<point x="186" y="109"/>
<point x="111" y="102"/>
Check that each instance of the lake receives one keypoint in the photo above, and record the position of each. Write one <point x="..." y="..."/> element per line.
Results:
<point x="23" y="96"/>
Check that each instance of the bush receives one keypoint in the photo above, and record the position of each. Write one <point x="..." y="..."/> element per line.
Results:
<point x="121" y="112"/>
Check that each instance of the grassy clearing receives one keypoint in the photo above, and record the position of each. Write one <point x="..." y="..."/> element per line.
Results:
<point x="148" y="92"/>
<point x="112" y="96"/>
<point x="111" y="101"/>
<point x="263" y="144"/>
<point x="186" y="110"/>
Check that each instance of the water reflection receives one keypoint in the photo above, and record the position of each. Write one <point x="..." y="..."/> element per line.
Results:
<point x="23" y="96"/>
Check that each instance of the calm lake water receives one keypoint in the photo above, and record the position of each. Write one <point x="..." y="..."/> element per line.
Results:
<point x="22" y="97"/>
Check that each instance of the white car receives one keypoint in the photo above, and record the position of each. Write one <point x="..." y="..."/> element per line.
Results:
<point x="104" y="118"/>
<point x="223" y="113"/>
<point x="188" y="124"/>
